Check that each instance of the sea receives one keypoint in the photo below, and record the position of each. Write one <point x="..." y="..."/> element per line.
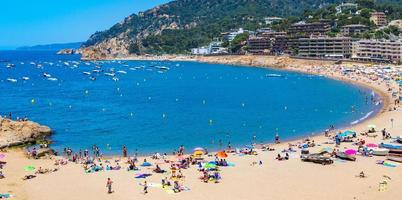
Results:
<point x="156" y="106"/>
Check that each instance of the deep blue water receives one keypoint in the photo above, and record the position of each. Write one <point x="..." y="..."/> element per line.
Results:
<point x="193" y="104"/>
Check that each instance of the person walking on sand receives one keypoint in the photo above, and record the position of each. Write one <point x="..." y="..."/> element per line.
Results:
<point x="109" y="185"/>
<point x="145" y="187"/>
<point x="277" y="139"/>
<point x="124" y="152"/>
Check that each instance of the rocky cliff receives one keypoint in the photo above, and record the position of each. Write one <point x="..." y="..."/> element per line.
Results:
<point x="13" y="133"/>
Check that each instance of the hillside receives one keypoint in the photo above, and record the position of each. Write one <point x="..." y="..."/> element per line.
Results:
<point x="177" y="26"/>
<point x="51" y="47"/>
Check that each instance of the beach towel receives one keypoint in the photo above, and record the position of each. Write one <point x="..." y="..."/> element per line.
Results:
<point x="5" y="196"/>
<point x="142" y="175"/>
<point x="146" y="164"/>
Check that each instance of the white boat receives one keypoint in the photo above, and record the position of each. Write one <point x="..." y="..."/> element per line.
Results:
<point x="163" y="68"/>
<point x="92" y="78"/>
<point x="25" y="78"/>
<point x="273" y="75"/>
<point x="379" y="151"/>
<point x="52" y="79"/>
<point x="115" y="79"/>
<point x="47" y="75"/>
<point x="87" y="73"/>
<point x="122" y="72"/>
<point x="10" y="65"/>
<point x="12" y="80"/>
<point x="110" y="74"/>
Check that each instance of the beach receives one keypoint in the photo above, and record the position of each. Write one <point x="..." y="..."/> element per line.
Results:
<point x="248" y="179"/>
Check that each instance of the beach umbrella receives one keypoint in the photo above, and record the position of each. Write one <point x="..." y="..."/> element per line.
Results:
<point x="371" y="145"/>
<point x="198" y="149"/>
<point x="350" y="152"/>
<point x="209" y="166"/>
<point x="222" y="154"/>
<point x="198" y="153"/>
<point x="29" y="168"/>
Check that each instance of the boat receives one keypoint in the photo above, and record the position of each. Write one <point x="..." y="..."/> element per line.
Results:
<point x="52" y="79"/>
<point x="12" y="80"/>
<point x="163" y="68"/>
<point x="399" y="139"/>
<point x="25" y="78"/>
<point x="47" y="75"/>
<point x="10" y="65"/>
<point x="379" y="151"/>
<point x="110" y="74"/>
<point x="87" y="73"/>
<point x="273" y="75"/>
<point x="317" y="158"/>
<point x="115" y="79"/>
<point x="92" y="78"/>
<point x="96" y="70"/>
<point x="345" y="156"/>
<point x="391" y="146"/>
<point x="122" y="72"/>
<point x="395" y="158"/>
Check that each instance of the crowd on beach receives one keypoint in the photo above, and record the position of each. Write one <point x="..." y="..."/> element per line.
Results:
<point x="172" y="167"/>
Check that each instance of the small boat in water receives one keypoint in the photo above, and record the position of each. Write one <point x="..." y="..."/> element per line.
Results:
<point x="87" y="73"/>
<point x="10" y="65"/>
<point x="273" y="75"/>
<point x="122" y="72"/>
<point x="52" y="79"/>
<point x="12" y="80"/>
<point x="47" y="75"/>
<point x="92" y="78"/>
<point x="115" y="79"/>
<point x="110" y="74"/>
<point x="25" y="78"/>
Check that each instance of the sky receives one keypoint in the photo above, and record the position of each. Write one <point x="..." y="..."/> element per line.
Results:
<point x="32" y="22"/>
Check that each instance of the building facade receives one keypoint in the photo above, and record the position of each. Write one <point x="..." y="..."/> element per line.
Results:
<point x="379" y="18"/>
<point x="353" y="29"/>
<point x="377" y="50"/>
<point x="309" y="29"/>
<point x="325" y="47"/>
<point x="259" y="45"/>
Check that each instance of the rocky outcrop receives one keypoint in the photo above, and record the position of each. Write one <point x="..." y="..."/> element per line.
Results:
<point x="66" y="52"/>
<point x="14" y="133"/>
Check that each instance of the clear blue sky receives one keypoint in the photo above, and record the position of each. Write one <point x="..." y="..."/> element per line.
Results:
<point x="31" y="22"/>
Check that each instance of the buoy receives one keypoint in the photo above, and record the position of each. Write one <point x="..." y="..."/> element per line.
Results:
<point x="149" y="98"/>
<point x="138" y="84"/>
<point x="177" y="99"/>
<point x="33" y="101"/>
<point x="131" y="114"/>
<point x="210" y="121"/>
<point x="243" y="104"/>
<point x="203" y="101"/>
<point x="70" y="106"/>
<point x="164" y="115"/>
<point x="118" y="89"/>
<point x="86" y="92"/>
<point x="286" y="107"/>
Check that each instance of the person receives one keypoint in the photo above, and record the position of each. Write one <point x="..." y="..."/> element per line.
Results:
<point x="109" y="185"/>
<point x="277" y="139"/>
<point x="145" y="187"/>
<point x="384" y="134"/>
<point x="176" y="187"/>
<point x="124" y="152"/>
<point x="2" y="175"/>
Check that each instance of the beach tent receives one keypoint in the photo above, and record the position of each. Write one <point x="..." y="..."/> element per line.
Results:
<point x="222" y="154"/>
<point x="347" y="133"/>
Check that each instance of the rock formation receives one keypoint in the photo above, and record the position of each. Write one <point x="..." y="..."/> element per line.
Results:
<point x="13" y="133"/>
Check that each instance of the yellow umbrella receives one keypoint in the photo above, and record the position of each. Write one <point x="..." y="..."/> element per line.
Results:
<point x="198" y="153"/>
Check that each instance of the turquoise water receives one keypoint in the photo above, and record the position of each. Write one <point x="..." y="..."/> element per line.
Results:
<point x="152" y="109"/>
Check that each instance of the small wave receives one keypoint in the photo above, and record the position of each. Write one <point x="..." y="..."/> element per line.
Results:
<point x="363" y="118"/>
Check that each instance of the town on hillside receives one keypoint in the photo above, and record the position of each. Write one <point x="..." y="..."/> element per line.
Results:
<point x="347" y="31"/>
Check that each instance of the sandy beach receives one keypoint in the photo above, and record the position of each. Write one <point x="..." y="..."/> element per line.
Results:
<point x="247" y="179"/>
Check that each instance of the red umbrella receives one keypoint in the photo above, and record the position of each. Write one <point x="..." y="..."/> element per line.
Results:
<point x="222" y="154"/>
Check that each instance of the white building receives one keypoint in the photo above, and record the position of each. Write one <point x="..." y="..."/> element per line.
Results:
<point x="270" y="20"/>
<point x="213" y="48"/>
<point x="377" y="50"/>
<point x="200" y="51"/>
<point x="343" y="7"/>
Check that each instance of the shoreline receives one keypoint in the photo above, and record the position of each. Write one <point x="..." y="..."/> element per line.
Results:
<point x="272" y="179"/>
